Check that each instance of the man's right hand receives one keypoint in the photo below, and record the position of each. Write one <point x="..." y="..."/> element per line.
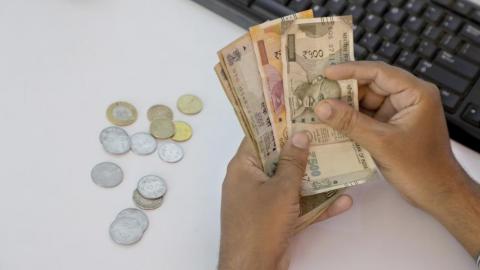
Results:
<point x="402" y="124"/>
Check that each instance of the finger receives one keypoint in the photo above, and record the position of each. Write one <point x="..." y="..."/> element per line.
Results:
<point x="293" y="160"/>
<point x="386" y="111"/>
<point x="383" y="79"/>
<point x="354" y="124"/>
<point x="368" y="99"/>
<point x="340" y="205"/>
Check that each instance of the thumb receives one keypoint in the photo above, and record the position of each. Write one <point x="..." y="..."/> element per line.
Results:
<point x="293" y="160"/>
<point x="344" y="118"/>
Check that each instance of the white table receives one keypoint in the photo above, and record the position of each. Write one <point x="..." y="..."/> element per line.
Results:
<point x="63" y="62"/>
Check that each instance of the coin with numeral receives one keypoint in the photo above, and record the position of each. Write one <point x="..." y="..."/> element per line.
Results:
<point x="115" y="140"/>
<point x="121" y="113"/>
<point x="152" y="187"/>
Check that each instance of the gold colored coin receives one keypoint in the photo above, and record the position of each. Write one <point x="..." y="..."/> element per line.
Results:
<point x="189" y="104"/>
<point x="121" y="113"/>
<point x="183" y="131"/>
<point x="159" y="112"/>
<point x="162" y="128"/>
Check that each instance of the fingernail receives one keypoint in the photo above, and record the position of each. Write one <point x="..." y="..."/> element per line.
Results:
<point x="301" y="140"/>
<point x="323" y="110"/>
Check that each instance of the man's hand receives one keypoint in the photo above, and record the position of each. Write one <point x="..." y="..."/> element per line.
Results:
<point x="258" y="212"/>
<point x="403" y="127"/>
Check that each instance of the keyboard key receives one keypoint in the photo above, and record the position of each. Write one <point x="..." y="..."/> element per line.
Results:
<point x="442" y="76"/>
<point x="359" y="52"/>
<point x="396" y="3"/>
<point x="450" y="42"/>
<point x="445" y="3"/>
<point x="432" y="32"/>
<point x="371" y="23"/>
<point x="376" y="57"/>
<point x="415" y="7"/>
<point x="357" y="13"/>
<point x="414" y="24"/>
<point x="427" y="49"/>
<point x="452" y="23"/>
<point x="388" y="50"/>
<point x="462" y="7"/>
<point x="300" y="5"/>
<point x="390" y="32"/>
<point x="471" y="32"/>
<point x="377" y="7"/>
<point x="336" y="7"/>
<point x="472" y="114"/>
<point x="470" y="52"/>
<point x="407" y="59"/>
<point x="270" y="8"/>
<point x="433" y="14"/>
<point x="319" y="11"/>
<point x="449" y="100"/>
<point x="475" y="16"/>
<point x="370" y="41"/>
<point x="395" y="15"/>
<point x="456" y="64"/>
<point x="408" y="41"/>
<point x="358" y="32"/>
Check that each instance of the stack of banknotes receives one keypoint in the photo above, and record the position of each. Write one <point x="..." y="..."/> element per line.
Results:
<point x="274" y="76"/>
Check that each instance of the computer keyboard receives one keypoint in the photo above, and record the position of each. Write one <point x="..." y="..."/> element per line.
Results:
<point x="436" y="40"/>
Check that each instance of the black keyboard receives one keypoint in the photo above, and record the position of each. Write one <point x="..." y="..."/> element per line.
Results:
<point x="436" y="40"/>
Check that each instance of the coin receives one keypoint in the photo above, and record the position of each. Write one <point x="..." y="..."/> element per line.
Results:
<point x="137" y="214"/>
<point x="162" y="129"/>
<point x="115" y="140"/>
<point x="121" y="113"/>
<point x="189" y="104"/>
<point x="143" y="143"/>
<point x="170" y="152"/>
<point x="146" y="204"/>
<point x="159" y="112"/>
<point x="126" y="231"/>
<point x="151" y="187"/>
<point x="107" y="174"/>
<point x="183" y="131"/>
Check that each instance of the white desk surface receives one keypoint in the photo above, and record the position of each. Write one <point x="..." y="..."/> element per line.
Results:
<point x="62" y="62"/>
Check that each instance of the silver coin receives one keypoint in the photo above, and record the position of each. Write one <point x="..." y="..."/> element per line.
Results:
<point x="136" y="214"/>
<point x="146" y="204"/>
<point x="115" y="140"/>
<point x="107" y="174"/>
<point x="152" y="187"/>
<point x="143" y="143"/>
<point x="126" y="231"/>
<point x="170" y="152"/>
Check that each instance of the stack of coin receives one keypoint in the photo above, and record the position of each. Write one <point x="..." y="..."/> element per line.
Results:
<point x="129" y="226"/>
<point x="150" y="192"/>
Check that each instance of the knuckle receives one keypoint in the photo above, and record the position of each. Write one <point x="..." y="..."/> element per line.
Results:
<point x="292" y="162"/>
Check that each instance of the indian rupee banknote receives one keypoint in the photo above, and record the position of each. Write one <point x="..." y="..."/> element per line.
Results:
<point x="239" y="62"/>
<point x="308" y="47"/>
<point x="266" y="39"/>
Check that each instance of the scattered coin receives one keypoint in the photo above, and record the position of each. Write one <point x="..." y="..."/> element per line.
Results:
<point x="146" y="204"/>
<point x="152" y="187"/>
<point x="126" y="231"/>
<point x="115" y="140"/>
<point x="107" y="174"/>
<point x="159" y="112"/>
<point x="162" y="128"/>
<point x="143" y="143"/>
<point x="137" y="214"/>
<point x="189" y="104"/>
<point x="183" y="131"/>
<point x="121" y="113"/>
<point x="170" y="152"/>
